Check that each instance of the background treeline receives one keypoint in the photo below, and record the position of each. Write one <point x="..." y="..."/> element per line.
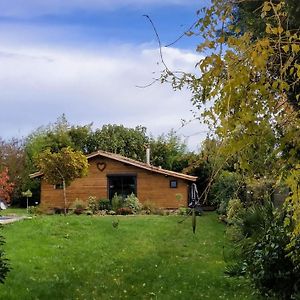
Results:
<point x="219" y="177"/>
<point x="19" y="155"/>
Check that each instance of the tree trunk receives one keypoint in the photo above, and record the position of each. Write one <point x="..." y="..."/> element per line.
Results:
<point x="65" y="197"/>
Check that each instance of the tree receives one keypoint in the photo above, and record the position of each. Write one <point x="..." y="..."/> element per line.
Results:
<point x="6" y="187"/>
<point x="118" y="139"/>
<point x="169" y="152"/>
<point x="62" y="167"/>
<point x="81" y="137"/>
<point x="251" y="83"/>
<point x="12" y="156"/>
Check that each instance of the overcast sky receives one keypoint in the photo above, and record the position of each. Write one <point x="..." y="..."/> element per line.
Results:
<point x="85" y="58"/>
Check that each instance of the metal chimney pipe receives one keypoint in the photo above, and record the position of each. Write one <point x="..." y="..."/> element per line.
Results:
<point x="148" y="156"/>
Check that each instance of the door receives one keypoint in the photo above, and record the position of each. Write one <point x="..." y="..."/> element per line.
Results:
<point x="123" y="185"/>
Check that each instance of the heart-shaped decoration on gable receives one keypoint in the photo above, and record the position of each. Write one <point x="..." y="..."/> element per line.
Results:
<point x="101" y="166"/>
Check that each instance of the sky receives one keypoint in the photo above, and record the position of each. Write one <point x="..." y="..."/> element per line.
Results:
<point x="90" y="60"/>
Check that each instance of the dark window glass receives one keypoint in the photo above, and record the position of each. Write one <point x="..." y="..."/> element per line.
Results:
<point x="59" y="186"/>
<point x="173" y="184"/>
<point x="122" y="185"/>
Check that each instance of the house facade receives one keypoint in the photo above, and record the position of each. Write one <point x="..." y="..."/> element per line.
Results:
<point x="110" y="173"/>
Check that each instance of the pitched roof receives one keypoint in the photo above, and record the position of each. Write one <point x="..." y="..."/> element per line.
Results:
<point x="134" y="163"/>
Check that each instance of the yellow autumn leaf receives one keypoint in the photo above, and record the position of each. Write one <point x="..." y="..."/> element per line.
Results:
<point x="295" y="48"/>
<point x="285" y="48"/>
<point x="266" y="7"/>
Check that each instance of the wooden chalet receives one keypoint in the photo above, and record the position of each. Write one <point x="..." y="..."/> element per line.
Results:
<point x="112" y="173"/>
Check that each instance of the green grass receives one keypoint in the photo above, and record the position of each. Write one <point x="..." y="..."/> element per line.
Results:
<point x="14" y="211"/>
<point x="146" y="257"/>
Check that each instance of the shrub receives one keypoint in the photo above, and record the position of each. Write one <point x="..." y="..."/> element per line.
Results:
<point x="263" y="242"/>
<point x="4" y="267"/>
<point x="234" y="209"/>
<point x="78" y="206"/>
<point x="34" y="210"/>
<point x="92" y="204"/>
<point x="222" y="209"/>
<point x="104" y="204"/>
<point x="149" y="207"/>
<point x="124" y="211"/>
<point x="116" y="202"/>
<point x="133" y="203"/>
<point x="259" y="190"/>
<point x="183" y="211"/>
<point x="58" y="210"/>
<point x="225" y="187"/>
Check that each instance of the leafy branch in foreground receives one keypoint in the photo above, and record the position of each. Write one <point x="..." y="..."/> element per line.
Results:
<point x="248" y="88"/>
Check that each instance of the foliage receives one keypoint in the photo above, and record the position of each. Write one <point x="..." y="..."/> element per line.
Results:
<point x="89" y="259"/>
<point x="12" y="156"/>
<point x="234" y="209"/>
<point x="169" y="152"/>
<point x="293" y="181"/>
<point x="222" y="208"/>
<point x="78" y="206"/>
<point x="92" y="204"/>
<point x="263" y="242"/>
<point x="149" y="207"/>
<point x="259" y="189"/>
<point x="33" y="210"/>
<point x="183" y="211"/>
<point x="248" y="84"/>
<point x="63" y="166"/>
<point x="6" y="187"/>
<point x="124" y="211"/>
<point x="4" y="267"/>
<point x="81" y="137"/>
<point x="133" y="203"/>
<point x="104" y="204"/>
<point x="117" y="202"/>
<point x="118" y="139"/>
<point x="225" y="187"/>
<point x="66" y="165"/>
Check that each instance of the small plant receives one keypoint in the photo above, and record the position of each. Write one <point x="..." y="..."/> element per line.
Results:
<point x="116" y="202"/>
<point x="33" y="210"/>
<point x="92" y="204"/>
<point x="78" y="206"/>
<point x="149" y="207"/>
<point x="104" y="204"/>
<point x="133" y="203"/>
<point x="183" y="211"/>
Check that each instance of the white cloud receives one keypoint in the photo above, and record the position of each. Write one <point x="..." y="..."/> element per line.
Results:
<point x="30" y="8"/>
<point x="39" y="84"/>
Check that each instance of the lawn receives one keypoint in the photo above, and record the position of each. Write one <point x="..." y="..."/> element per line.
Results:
<point x="145" y="257"/>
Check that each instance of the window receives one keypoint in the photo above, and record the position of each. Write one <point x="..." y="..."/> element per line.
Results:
<point x="122" y="185"/>
<point x="58" y="186"/>
<point x="173" y="184"/>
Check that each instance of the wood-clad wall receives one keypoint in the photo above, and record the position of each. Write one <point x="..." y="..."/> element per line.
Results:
<point x="151" y="186"/>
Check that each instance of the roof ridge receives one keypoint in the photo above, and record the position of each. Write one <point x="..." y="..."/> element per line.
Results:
<point x="133" y="162"/>
<point x="141" y="164"/>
